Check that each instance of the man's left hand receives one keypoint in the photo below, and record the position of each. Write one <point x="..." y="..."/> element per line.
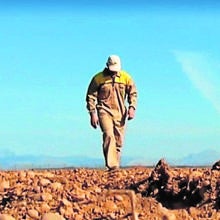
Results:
<point x="131" y="113"/>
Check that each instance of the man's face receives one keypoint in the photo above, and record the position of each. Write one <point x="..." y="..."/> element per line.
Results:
<point x="112" y="73"/>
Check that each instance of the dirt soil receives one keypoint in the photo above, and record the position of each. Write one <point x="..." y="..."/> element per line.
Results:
<point x="136" y="193"/>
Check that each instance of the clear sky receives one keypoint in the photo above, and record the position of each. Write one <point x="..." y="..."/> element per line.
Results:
<point x="50" y="50"/>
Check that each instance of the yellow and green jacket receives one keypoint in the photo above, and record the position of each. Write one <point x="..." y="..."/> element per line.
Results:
<point x="109" y="93"/>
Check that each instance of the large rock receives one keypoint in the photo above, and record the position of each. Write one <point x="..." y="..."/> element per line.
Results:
<point x="216" y="166"/>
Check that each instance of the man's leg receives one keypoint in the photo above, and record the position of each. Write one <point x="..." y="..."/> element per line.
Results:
<point x="119" y="129"/>
<point x="109" y="142"/>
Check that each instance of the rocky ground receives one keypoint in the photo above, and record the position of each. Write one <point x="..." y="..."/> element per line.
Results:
<point x="136" y="193"/>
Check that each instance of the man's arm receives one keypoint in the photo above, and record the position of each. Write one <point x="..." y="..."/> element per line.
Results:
<point x="91" y="99"/>
<point x="91" y="96"/>
<point x="132" y="98"/>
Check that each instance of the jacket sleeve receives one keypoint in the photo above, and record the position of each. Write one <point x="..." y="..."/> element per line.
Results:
<point x="131" y="93"/>
<point x="91" y="96"/>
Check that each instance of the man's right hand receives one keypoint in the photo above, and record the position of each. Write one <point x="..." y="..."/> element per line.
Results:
<point x="94" y="120"/>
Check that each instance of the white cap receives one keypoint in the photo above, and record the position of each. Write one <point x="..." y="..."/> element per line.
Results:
<point x="114" y="63"/>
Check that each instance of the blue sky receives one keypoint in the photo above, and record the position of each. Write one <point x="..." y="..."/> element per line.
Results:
<point x="50" y="50"/>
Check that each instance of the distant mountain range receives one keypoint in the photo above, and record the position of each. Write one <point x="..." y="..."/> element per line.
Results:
<point x="207" y="157"/>
<point x="44" y="161"/>
<point x="9" y="160"/>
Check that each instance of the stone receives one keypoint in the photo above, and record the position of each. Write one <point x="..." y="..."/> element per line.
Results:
<point x="33" y="213"/>
<point x="52" y="216"/>
<point x="6" y="217"/>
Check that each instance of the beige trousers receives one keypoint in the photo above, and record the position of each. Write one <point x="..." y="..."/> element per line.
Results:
<point x="113" y="128"/>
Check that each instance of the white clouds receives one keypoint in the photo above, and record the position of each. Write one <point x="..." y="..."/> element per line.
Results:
<point x="204" y="74"/>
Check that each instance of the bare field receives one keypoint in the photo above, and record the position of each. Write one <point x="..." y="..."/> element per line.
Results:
<point x="136" y="193"/>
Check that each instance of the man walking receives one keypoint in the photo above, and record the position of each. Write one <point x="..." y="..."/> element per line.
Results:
<point x="106" y="102"/>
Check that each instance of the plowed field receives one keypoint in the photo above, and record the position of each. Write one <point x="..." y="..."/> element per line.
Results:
<point x="160" y="192"/>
